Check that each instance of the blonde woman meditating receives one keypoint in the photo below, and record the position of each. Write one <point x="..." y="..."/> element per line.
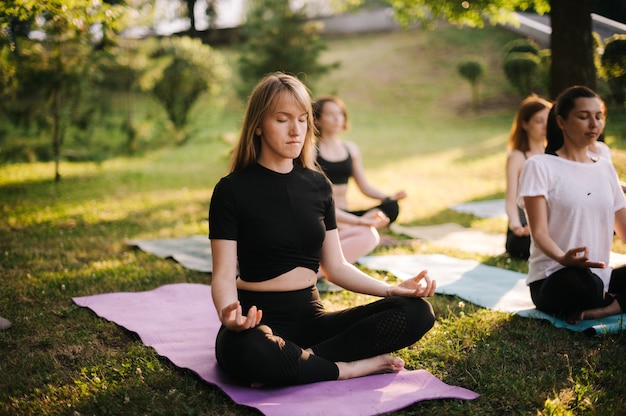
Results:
<point x="273" y="218"/>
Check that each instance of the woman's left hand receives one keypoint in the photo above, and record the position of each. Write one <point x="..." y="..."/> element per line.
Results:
<point x="421" y="286"/>
<point x="579" y="257"/>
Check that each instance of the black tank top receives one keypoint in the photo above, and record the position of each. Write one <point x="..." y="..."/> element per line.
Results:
<point x="337" y="172"/>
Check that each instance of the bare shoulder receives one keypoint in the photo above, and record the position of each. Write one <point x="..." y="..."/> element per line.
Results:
<point x="353" y="148"/>
<point x="516" y="157"/>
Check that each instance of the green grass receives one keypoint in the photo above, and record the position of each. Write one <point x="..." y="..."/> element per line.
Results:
<point x="412" y="118"/>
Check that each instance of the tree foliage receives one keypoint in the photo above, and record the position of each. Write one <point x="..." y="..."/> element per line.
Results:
<point x="522" y="65"/>
<point x="278" y="39"/>
<point x="522" y="45"/>
<point x="473" y="71"/>
<point x="463" y="13"/>
<point x="183" y="69"/>
<point x="50" y="73"/>
<point x="614" y="66"/>
<point x="571" y="39"/>
<point x="520" y="69"/>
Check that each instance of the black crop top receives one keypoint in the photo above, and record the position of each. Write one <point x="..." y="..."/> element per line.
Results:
<point x="278" y="220"/>
<point x="338" y="172"/>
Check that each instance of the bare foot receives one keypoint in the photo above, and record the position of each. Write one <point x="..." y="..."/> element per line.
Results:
<point x="383" y="363"/>
<point x="612" y="309"/>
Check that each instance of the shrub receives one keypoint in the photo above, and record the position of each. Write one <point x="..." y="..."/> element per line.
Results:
<point x="473" y="72"/>
<point x="545" y="61"/>
<point x="522" y="45"/>
<point x="526" y="65"/>
<point x="614" y="67"/>
<point x="279" y="38"/>
<point x="520" y="69"/>
<point x="184" y="68"/>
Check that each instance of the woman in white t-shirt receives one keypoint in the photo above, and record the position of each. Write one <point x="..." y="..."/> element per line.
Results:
<point x="574" y="203"/>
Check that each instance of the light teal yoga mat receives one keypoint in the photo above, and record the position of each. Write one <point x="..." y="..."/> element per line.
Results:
<point x="486" y="286"/>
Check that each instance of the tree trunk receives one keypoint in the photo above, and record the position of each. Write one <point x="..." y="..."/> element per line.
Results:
<point x="191" y="5"/>
<point x="55" y="108"/>
<point x="57" y="135"/>
<point x="571" y="45"/>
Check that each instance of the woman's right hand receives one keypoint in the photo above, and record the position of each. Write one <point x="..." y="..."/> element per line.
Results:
<point x="374" y="218"/>
<point x="521" y="231"/>
<point x="579" y="257"/>
<point x="233" y="318"/>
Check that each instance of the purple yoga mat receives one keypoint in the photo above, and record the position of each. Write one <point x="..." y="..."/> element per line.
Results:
<point x="180" y="323"/>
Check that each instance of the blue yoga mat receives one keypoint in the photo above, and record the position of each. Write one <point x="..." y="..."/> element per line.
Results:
<point x="487" y="286"/>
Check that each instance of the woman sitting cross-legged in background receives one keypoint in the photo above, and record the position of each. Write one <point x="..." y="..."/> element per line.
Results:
<point x="527" y="138"/>
<point x="273" y="216"/>
<point x="341" y="160"/>
<point x="574" y="203"/>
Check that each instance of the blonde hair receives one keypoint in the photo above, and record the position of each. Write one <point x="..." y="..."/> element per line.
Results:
<point x="260" y="105"/>
<point x="518" y="138"/>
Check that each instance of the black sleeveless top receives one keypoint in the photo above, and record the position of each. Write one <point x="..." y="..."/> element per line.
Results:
<point x="338" y="172"/>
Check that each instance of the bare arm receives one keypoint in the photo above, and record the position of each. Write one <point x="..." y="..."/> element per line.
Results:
<point x="339" y="271"/>
<point x="224" y="288"/>
<point x="514" y="164"/>
<point x="537" y="210"/>
<point x="358" y="173"/>
<point x="620" y="224"/>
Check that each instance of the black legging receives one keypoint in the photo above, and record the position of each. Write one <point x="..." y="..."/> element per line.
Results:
<point x="571" y="289"/>
<point x="518" y="247"/>
<point x="389" y="207"/>
<point x="271" y="353"/>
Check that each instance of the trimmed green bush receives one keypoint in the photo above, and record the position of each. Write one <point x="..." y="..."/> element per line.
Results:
<point x="545" y="61"/>
<point x="522" y="45"/>
<point x="526" y="65"/>
<point x="184" y="69"/>
<point x="473" y="72"/>
<point x="614" y="67"/>
<point x="520" y="69"/>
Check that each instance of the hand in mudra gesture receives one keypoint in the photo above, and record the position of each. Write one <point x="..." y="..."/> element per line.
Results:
<point x="234" y="319"/>
<point x="420" y="286"/>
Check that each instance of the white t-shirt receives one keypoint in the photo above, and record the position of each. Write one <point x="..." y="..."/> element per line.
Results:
<point x="601" y="150"/>
<point x="582" y="199"/>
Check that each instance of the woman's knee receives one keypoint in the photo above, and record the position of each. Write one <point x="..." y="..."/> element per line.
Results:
<point x="391" y="208"/>
<point x="568" y="290"/>
<point x="255" y="355"/>
<point x="419" y="312"/>
<point x="358" y="241"/>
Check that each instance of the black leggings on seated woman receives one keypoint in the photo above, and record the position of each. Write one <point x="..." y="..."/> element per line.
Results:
<point x="572" y="289"/>
<point x="271" y="353"/>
